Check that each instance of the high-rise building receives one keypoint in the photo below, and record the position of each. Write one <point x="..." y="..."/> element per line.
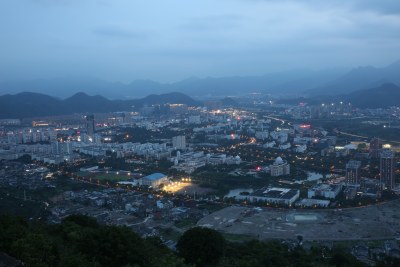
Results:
<point x="179" y="142"/>
<point x="61" y="148"/>
<point x="387" y="169"/>
<point x="353" y="172"/>
<point x="90" y="125"/>
<point x="375" y="147"/>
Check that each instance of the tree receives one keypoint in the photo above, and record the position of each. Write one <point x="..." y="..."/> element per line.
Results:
<point x="11" y="229"/>
<point x="201" y="246"/>
<point x="113" y="246"/>
<point x="82" y="220"/>
<point x="34" y="250"/>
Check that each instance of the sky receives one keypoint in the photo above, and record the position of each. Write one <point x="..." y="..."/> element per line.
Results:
<point x="170" y="40"/>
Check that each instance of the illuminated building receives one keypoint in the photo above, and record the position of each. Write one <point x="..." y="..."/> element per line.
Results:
<point x="90" y="125"/>
<point x="279" y="167"/>
<point x="387" y="169"/>
<point x="353" y="172"/>
<point x="154" y="180"/>
<point x="375" y="146"/>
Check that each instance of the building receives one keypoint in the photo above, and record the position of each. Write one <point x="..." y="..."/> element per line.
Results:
<point x="262" y="135"/>
<point x="216" y="159"/>
<point x="353" y="175"/>
<point x="194" y="119"/>
<point x="154" y="180"/>
<point x="179" y="142"/>
<point x="313" y="203"/>
<point x="90" y="125"/>
<point x="281" y="196"/>
<point x="387" y="169"/>
<point x="61" y="148"/>
<point x="279" y="167"/>
<point x="375" y="147"/>
<point x="325" y="190"/>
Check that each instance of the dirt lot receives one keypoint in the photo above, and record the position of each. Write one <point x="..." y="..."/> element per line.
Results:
<point x="381" y="221"/>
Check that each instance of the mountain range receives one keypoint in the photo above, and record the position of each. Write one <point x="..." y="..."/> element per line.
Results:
<point x="359" y="79"/>
<point x="283" y="84"/>
<point x="383" y="96"/>
<point x="28" y="105"/>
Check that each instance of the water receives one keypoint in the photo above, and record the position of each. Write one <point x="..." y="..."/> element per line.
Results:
<point x="236" y="192"/>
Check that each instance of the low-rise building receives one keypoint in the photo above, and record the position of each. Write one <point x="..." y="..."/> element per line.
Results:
<point x="325" y="190"/>
<point x="279" y="167"/>
<point x="154" y="180"/>
<point x="282" y="196"/>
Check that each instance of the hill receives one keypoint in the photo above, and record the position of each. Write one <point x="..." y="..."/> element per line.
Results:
<point x="285" y="82"/>
<point x="81" y="241"/>
<point x="386" y="95"/>
<point x="26" y="105"/>
<point x="359" y="79"/>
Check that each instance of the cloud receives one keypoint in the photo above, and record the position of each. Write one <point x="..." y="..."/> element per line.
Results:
<point x="212" y="22"/>
<point x="176" y="38"/>
<point x="387" y="7"/>
<point x="115" y="31"/>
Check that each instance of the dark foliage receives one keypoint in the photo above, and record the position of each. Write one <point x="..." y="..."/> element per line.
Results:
<point x="201" y="246"/>
<point x="34" y="104"/>
<point x="81" y="241"/>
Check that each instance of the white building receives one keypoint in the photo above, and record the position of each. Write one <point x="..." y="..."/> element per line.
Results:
<point x="262" y="135"/>
<point x="154" y="180"/>
<point x="282" y="196"/>
<point x="279" y="167"/>
<point x="301" y="149"/>
<point x="325" y="190"/>
<point x="284" y="146"/>
<point x="269" y="145"/>
<point x="179" y="142"/>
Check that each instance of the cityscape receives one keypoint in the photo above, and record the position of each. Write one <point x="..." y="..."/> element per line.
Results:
<point x="295" y="167"/>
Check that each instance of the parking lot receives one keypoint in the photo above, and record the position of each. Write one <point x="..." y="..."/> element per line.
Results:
<point x="380" y="221"/>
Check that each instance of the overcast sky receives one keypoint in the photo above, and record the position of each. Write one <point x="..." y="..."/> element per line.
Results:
<point x="169" y="40"/>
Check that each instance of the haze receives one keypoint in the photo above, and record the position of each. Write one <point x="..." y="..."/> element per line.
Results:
<point x="124" y="40"/>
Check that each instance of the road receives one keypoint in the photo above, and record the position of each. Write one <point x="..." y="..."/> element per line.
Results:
<point x="367" y="137"/>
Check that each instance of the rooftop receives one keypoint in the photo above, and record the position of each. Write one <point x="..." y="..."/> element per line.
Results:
<point x="155" y="176"/>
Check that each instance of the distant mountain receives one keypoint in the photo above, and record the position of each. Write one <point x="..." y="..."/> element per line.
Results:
<point x="81" y="102"/>
<point x="27" y="105"/>
<point x="23" y="104"/>
<point x="229" y="102"/>
<point x="359" y="79"/>
<point x="163" y="99"/>
<point x="286" y="82"/>
<point x="386" y="95"/>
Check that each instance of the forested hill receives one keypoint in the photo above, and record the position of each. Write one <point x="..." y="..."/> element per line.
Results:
<point x="26" y="105"/>
<point x="79" y="241"/>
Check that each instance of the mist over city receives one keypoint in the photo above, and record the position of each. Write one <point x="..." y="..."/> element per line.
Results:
<point x="199" y="133"/>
